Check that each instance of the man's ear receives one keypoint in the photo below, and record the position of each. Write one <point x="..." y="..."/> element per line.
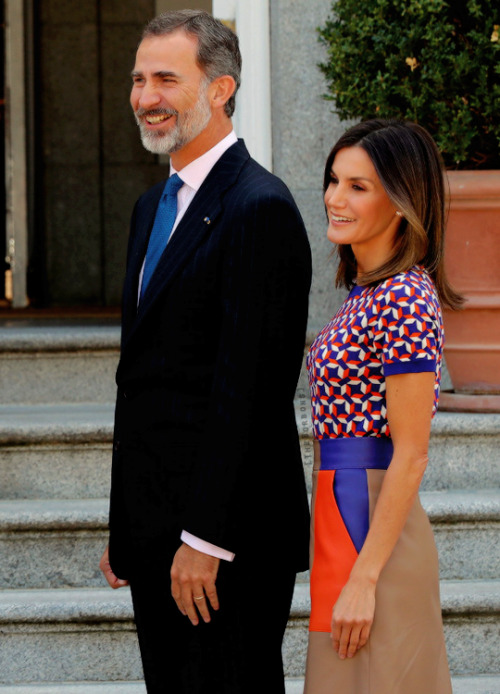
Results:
<point x="221" y="90"/>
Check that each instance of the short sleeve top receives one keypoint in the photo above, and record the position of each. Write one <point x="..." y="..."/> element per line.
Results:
<point x="393" y="328"/>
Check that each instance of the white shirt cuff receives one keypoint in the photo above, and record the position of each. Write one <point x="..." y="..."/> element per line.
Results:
<point x="206" y="547"/>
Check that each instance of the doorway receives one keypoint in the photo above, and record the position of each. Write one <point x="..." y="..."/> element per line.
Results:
<point x="3" y="248"/>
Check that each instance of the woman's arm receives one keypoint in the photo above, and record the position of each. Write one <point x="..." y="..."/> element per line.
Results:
<point x="409" y="400"/>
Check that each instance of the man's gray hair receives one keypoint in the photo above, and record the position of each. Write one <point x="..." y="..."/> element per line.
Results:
<point x="218" y="46"/>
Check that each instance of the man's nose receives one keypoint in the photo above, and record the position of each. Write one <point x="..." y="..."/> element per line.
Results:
<point x="149" y="97"/>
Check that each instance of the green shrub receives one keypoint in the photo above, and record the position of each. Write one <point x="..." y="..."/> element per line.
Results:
<point x="435" y="62"/>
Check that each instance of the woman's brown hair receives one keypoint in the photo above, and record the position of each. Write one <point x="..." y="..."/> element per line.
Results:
<point x="410" y="169"/>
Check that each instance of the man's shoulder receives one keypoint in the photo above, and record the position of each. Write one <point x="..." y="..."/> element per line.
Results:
<point x="255" y="182"/>
<point x="238" y="160"/>
<point x="253" y="168"/>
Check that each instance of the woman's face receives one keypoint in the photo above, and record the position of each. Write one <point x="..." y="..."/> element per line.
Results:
<point x="359" y="210"/>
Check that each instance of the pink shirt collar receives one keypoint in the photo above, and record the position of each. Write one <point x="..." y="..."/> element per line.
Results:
<point x="196" y="171"/>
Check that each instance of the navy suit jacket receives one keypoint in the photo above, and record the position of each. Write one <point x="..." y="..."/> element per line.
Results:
<point x="205" y="431"/>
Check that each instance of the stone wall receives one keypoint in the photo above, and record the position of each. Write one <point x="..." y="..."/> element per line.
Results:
<point x="304" y="131"/>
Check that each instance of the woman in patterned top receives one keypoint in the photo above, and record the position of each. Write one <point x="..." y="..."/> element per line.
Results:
<point x="374" y="372"/>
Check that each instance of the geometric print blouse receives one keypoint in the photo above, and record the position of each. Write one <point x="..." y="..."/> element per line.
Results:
<point x="393" y="328"/>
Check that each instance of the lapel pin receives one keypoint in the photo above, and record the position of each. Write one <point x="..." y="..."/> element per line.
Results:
<point x="207" y="220"/>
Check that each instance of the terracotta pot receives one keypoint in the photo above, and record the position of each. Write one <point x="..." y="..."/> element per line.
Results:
<point x="472" y="348"/>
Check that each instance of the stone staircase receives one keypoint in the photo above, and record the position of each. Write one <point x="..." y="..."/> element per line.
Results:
<point x="63" y="631"/>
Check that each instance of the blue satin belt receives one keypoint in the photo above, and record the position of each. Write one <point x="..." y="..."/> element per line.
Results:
<point x="350" y="458"/>
<point x="368" y="452"/>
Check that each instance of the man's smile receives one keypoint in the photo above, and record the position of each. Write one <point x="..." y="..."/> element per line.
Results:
<point x="154" y="116"/>
<point x="153" y="120"/>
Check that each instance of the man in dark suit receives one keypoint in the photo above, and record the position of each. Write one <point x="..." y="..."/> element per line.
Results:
<point x="209" y="516"/>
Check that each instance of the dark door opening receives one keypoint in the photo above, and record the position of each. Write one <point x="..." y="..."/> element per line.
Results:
<point x="3" y="230"/>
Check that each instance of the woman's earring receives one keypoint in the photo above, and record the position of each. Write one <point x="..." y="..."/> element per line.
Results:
<point x="399" y="214"/>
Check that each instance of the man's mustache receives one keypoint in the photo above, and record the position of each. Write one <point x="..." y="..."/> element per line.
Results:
<point x="155" y="112"/>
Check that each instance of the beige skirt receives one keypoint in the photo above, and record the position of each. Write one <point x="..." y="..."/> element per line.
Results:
<point x="405" y="653"/>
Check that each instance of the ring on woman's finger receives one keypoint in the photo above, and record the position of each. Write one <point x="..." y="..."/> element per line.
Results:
<point x="199" y="597"/>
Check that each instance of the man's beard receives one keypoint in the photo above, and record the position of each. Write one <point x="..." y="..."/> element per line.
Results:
<point x="188" y="125"/>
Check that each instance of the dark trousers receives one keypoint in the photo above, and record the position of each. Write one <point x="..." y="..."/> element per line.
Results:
<point x="238" y="650"/>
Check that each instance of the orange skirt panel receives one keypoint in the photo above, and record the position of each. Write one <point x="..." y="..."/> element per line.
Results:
<point x="334" y="553"/>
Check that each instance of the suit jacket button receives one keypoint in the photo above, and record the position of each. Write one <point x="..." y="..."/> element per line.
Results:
<point x="116" y="446"/>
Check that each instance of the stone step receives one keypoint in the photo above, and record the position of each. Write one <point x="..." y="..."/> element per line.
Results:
<point x="57" y="543"/>
<point x="464" y="450"/>
<point x="88" y="635"/>
<point x="481" y="684"/>
<point x="58" y="363"/>
<point x="466" y="527"/>
<point x="70" y="360"/>
<point x="67" y="636"/>
<point x="52" y="543"/>
<point x="56" y="450"/>
<point x="64" y="450"/>
<point x="471" y="616"/>
<point x="22" y="424"/>
<point x="77" y="688"/>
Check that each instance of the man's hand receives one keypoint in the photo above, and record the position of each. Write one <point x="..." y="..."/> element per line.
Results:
<point x="105" y="567"/>
<point x="193" y="575"/>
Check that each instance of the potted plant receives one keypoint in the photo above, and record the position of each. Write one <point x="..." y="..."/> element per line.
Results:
<point x="437" y="62"/>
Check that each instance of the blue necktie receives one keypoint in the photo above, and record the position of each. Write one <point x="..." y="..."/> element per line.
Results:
<point x="162" y="228"/>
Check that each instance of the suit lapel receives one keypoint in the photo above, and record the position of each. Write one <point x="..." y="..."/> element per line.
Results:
<point x="191" y="231"/>
<point x="142" y="224"/>
<point x="199" y="220"/>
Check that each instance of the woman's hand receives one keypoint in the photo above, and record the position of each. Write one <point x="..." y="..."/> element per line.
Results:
<point x="352" y="617"/>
